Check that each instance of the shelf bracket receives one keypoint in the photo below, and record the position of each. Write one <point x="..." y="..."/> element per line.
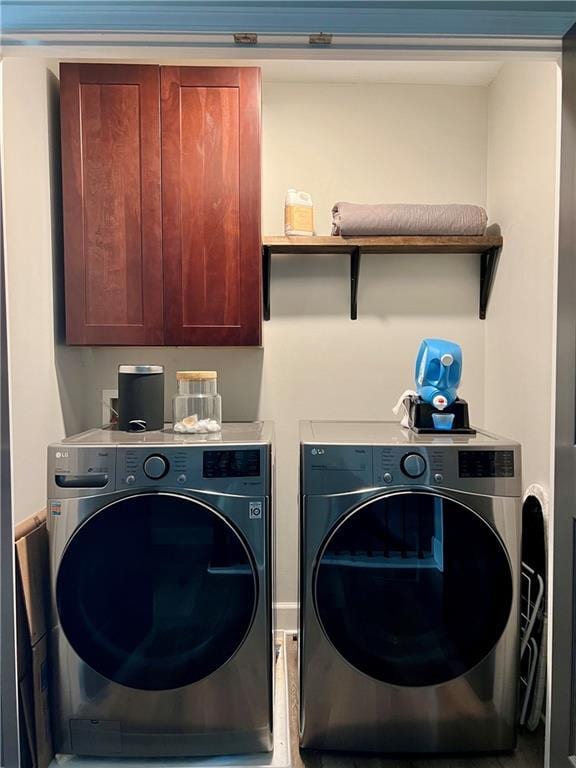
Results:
<point x="488" y="265"/>
<point x="266" y="267"/>
<point x="354" y="276"/>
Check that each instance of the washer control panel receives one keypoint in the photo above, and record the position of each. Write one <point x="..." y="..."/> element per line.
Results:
<point x="381" y="456"/>
<point x="494" y="471"/>
<point x="87" y="470"/>
<point x="227" y="469"/>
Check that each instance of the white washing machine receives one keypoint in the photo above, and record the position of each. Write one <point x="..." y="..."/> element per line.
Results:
<point x="161" y="573"/>
<point x="409" y="589"/>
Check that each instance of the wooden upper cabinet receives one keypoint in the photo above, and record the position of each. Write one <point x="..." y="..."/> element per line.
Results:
<point x="211" y="205"/>
<point x="161" y="191"/>
<point x="110" y="129"/>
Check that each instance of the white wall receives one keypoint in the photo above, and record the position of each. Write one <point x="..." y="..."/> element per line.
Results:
<point x="41" y="407"/>
<point x="371" y="143"/>
<point x="360" y="143"/>
<point x="522" y="179"/>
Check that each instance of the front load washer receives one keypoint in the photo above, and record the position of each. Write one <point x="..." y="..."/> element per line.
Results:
<point x="162" y="632"/>
<point x="409" y="589"/>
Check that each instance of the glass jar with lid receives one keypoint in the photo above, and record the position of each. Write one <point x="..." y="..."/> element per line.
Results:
<point x="197" y="407"/>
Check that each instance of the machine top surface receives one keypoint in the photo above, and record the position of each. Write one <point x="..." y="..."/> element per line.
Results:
<point x="388" y="433"/>
<point x="233" y="433"/>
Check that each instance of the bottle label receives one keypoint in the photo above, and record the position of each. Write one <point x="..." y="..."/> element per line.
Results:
<point x="299" y="217"/>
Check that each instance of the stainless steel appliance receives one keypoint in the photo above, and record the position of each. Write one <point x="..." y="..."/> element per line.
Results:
<point x="160" y="550"/>
<point x="409" y="590"/>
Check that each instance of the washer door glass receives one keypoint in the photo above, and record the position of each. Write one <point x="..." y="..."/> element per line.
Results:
<point x="413" y="589"/>
<point x="156" y="591"/>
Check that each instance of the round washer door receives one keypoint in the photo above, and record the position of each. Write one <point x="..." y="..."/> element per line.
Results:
<point x="156" y="591"/>
<point x="413" y="589"/>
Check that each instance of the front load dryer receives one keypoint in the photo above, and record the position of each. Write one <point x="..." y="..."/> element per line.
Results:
<point x="161" y="637"/>
<point x="409" y="579"/>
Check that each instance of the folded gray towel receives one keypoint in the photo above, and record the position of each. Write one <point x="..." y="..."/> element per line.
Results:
<point x="357" y="220"/>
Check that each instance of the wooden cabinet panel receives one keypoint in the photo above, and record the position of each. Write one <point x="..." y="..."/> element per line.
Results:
<point x="211" y="205"/>
<point x="161" y="186"/>
<point x="110" y="127"/>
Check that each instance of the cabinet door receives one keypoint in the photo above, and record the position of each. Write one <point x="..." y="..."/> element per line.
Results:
<point x="211" y="205"/>
<point x="110" y="126"/>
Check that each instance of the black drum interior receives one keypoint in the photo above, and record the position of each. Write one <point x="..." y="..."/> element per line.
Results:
<point x="156" y="591"/>
<point x="413" y="589"/>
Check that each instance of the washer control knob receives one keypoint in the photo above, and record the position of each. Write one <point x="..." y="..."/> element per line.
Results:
<point x="130" y="480"/>
<point x="413" y="465"/>
<point x="155" y="467"/>
<point x="387" y="477"/>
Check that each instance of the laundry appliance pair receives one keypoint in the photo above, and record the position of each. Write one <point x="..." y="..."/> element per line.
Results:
<point x="162" y="628"/>
<point x="162" y="624"/>
<point x="410" y="549"/>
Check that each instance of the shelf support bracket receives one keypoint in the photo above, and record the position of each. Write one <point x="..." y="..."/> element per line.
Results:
<point x="266" y="267"/>
<point x="354" y="276"/>
<point x="488" y="265"/>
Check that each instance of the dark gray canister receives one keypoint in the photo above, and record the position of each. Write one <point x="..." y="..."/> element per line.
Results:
<point x="140" y="397"/>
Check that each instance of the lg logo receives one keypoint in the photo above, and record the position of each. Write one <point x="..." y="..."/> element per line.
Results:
<point x="61" y="454"/>
<point x="317" y="451"/>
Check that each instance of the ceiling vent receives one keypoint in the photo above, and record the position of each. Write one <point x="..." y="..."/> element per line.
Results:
<point x="246" y="38"/>
<point x="320" y="38"/>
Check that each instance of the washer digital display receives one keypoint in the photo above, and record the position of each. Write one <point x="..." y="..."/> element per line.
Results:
<point x="486" y="464"/>
<point x="231" y="463"/>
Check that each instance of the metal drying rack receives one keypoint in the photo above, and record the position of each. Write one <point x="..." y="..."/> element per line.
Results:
<point x="531" y="619"/>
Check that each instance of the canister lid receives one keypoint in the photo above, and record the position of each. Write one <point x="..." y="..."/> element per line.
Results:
<point x="141" y="369"/>
<point x="196" y="375"/>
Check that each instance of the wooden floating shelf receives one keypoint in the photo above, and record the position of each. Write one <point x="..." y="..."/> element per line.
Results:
<point x="488" y="246"/>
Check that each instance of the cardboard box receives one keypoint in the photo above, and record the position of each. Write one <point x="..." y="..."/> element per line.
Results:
<point x="32" y="612"/>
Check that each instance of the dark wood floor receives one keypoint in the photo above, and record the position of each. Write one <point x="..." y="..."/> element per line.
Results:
<point x="529" y="754"/>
